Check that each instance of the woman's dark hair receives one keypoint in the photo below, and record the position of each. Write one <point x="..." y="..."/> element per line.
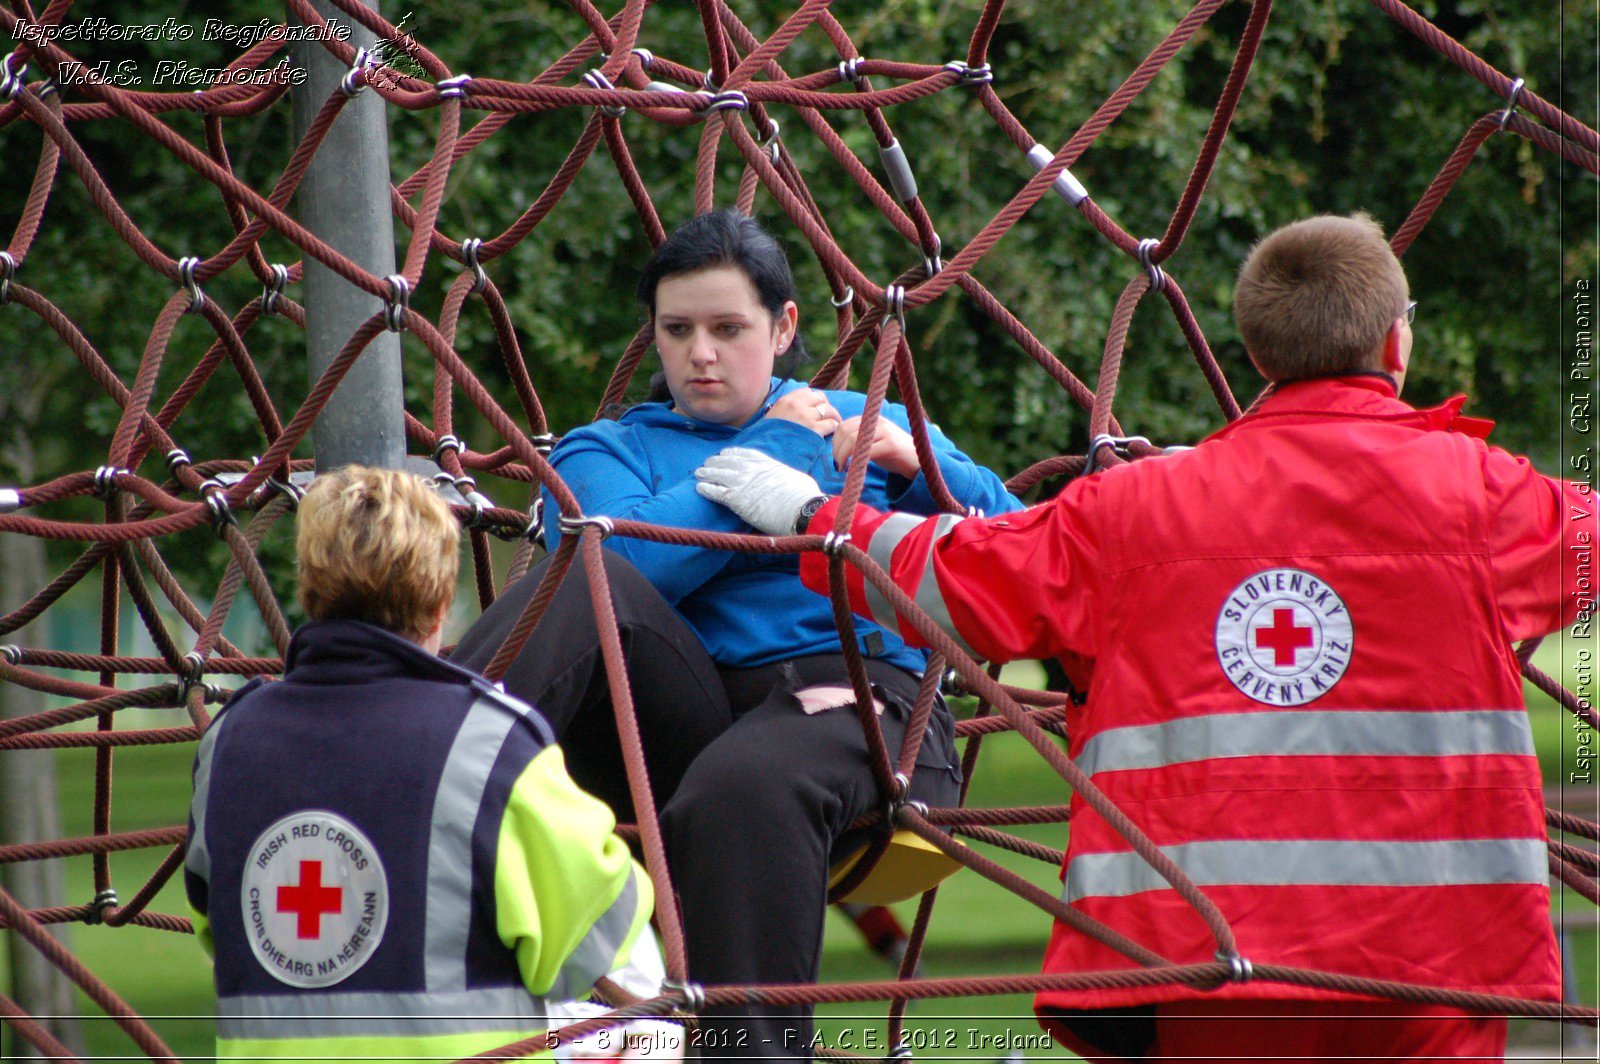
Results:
<point x="723" y="238"/>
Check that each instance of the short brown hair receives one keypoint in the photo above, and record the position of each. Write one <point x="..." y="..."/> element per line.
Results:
<point x="376" y="545"/>
<point x="1317" y="297"/>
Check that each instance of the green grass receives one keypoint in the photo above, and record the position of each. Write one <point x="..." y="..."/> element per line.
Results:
<point x="977" y="928"/>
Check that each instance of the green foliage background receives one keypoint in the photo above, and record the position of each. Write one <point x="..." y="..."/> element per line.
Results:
<point x="1343" y="111"/>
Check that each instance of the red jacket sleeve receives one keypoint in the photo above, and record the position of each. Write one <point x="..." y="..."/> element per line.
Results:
<point x="1018" y="585"/>
<point x="1541" y="545"/>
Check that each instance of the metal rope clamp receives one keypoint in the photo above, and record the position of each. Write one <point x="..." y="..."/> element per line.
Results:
<point x="1240" y="970"/>
<point x="197" y="299"/>
<point x="728" y="100"/>
<point x="447" y="442"/>
<point x="11" y="654"/>
<point x="834" y="543"/>
<point x="177" y="457"/>
<point x="1119" y="446"/>
<point x="596" y="80"/>
<point x="846" y="299"/>
<point x="10" y="500"/>
<point x="1513" y="94"/>
<point x="574" y="526"/>
<point x="272" y="291"/>
<point x="535" y="529"/>
<point x="8" y="271"/>
<point x="850" y="69"/>
<point x="358" y="68"/>
<point x="105" y="480"/>
<point x="894" y="303"/>
<point x="194" y="670"/>
<point x="470" y="249"/>
<point x="971" y="75"/>
<point x="769" y="143"/>
<point x="215" y="495"/>
<point x="11" y="80"/>
<point x="397" y="302"/>
<point x="105" y="899"/>
<point x="1158" y="279"/>
<point x="454" y="88"/>
<point x="544" y="441"/>
<point x="902" y="1051"/>
<point x="287" y="488"/>
<point x="694" y="995"/>
<point x="932" y="264"/>
<point x="467" y="488"/>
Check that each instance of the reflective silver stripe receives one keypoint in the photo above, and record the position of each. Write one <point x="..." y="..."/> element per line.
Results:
<point x="597" y="953"/>
<point x="1360" y="863"/>
<point x="378" y="1014"/>
<point x="1378" y="733"/>
<point x="198" y="858"/>
<point x="455" y="810"/>
<point x="881" y="550"/>
<point x="928" y="595"/>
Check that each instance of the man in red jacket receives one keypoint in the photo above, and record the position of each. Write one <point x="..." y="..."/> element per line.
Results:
<point x="1304" y="690"/>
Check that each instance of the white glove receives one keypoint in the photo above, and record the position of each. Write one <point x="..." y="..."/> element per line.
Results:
<point x="766" y="493"/>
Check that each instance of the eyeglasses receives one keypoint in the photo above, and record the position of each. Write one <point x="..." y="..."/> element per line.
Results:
<point x="1410" y="313"/>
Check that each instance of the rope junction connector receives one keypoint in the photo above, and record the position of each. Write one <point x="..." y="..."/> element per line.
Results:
<point x="358" y="68"/>
<point x="46" y="89"/>
<point x="10" y="500"/>
<point x="850" y="69"/>
<point x="447" y="442"/>
<point x="1240" y="970"/>
<point x="950" y="684"/>
<point x="1119" y="446"/>
<point x="834" y="543"/>
<point x="1513" y="94"/>
<point x="574" y="526"/>
<point x="894" y="303"/>
<point x="769" y="143"/>
<point x="694" y="995"/>
<point x="469" y="253"/>
<point x="646" y="57"/>
<point x="454" y="88"/>
<point x="596" y="80"/>
<point x="971" y="75"/>
<point x="535" y="530"/>
<point x="932" y="264"/>
<point x="11" y="80"/>
<point x="544" y="441"/>
<point x="846" y="299"/>
<point x="106" y="899"/>
<point x="901" y="1051"/>
<point x="11" y="654"/>
<point x="190" y="676"/>
<point x="105" y="480"/>
<point x="215" y="495"/>
<point x="898" y="169"/>
<point x="1066" y="186"/>
<point x="8" y="270"/>
<point x="729" y="100"/>
<point x="398" y="301"/>
<point x="177" y="457"/>
<point x="287" y="488"/>
<point x="186" y="267"/>
<point x="273" y="289"/>
<point x="467" y="488"/>
<point x="1158" y="279"/>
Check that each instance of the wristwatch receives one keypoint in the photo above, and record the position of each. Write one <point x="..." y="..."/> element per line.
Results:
<point x="803" y="519"/>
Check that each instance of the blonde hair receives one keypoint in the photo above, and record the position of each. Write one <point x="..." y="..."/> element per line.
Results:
<point x="376" y="545"/>
<point x="1317" y="297"/>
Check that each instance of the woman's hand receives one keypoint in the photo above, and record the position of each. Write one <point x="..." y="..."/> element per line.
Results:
<point x="807" y="407"/>
<point x="892" y="447"/>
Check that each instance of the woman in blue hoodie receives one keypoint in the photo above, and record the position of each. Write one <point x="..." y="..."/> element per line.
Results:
<point x="756" y="756"/>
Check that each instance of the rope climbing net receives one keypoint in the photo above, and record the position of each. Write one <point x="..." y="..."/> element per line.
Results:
<point x="152" y="489"/>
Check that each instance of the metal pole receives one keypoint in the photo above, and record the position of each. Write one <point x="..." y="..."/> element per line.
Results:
<point x="344" y="199"/>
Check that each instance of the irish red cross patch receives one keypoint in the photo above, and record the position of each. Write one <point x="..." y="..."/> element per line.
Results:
<point x="1284" y="637"/>
<point x="315" y="898"/>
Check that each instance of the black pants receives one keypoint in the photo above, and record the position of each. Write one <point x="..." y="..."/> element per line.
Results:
<point x="756" y="795"/>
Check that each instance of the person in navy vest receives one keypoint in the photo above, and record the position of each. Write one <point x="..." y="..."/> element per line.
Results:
<point x="386" y="855"/>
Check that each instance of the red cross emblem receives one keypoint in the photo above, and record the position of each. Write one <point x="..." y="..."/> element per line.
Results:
<point x="309" y="900"/>
<point x="1283" y="637"/>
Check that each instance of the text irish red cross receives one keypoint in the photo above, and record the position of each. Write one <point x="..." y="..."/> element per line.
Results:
<point x="310" y="900"/>
<point x="1283" y="637"/>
